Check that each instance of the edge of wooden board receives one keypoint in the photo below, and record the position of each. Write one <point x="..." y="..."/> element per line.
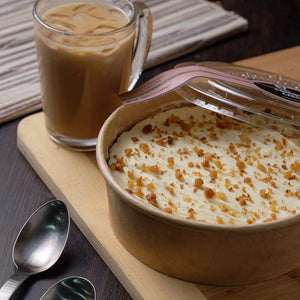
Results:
<point x="92" y="217"/>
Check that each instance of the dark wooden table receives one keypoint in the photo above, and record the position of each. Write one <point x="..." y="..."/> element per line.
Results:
<point x="274" y="25"/>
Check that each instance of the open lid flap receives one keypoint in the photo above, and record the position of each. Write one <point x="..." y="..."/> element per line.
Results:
<point x="250" y="95"/>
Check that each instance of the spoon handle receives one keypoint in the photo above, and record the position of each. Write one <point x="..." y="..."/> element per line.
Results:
<point x="11" y="285"/>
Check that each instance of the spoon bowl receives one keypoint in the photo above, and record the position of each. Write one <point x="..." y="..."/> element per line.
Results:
<point x="39" y="244"/>
<point x="75" y="288"/>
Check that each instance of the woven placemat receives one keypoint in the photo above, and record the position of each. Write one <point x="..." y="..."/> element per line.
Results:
<point x="179" y="27"/>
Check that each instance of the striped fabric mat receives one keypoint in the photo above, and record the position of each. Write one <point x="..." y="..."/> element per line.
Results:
<point x="179" y="27"/>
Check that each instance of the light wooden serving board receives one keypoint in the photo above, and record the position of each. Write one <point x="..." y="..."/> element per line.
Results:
<point x="74" y="178"/>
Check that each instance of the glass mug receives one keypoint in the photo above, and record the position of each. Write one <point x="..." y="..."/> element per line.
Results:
<point x="82" y="73"/>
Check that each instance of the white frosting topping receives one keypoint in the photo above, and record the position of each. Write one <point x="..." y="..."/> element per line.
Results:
<point x="196" y="164"/>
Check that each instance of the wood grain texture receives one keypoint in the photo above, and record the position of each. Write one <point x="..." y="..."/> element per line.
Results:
<point x="272" y="27"/>
<point x="79" y="183"/>
<point x="273" y="63"/>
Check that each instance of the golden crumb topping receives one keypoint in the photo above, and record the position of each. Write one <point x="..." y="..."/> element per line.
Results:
<point x="209" y="168"/>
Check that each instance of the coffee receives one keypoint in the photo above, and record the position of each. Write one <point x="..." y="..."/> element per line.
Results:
<point x="83" y="70"/>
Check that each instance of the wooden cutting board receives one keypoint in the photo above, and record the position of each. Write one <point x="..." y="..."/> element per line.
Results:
<point x="74" y="178"/>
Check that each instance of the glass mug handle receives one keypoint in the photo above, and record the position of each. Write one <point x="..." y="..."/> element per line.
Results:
<point x="143" y="41"/>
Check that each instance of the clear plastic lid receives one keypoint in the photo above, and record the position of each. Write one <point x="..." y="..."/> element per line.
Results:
<point x="250" y="95"/>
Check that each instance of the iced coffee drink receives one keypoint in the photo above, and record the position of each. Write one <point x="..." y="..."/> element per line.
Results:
<point x="84" y="53"/>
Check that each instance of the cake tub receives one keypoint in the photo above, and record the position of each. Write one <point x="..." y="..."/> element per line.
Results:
<point x="185" y="249"/>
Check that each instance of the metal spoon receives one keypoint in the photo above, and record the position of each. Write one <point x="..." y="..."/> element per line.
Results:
<point x="75" y="288"/>
<point x="39" y="244"/>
